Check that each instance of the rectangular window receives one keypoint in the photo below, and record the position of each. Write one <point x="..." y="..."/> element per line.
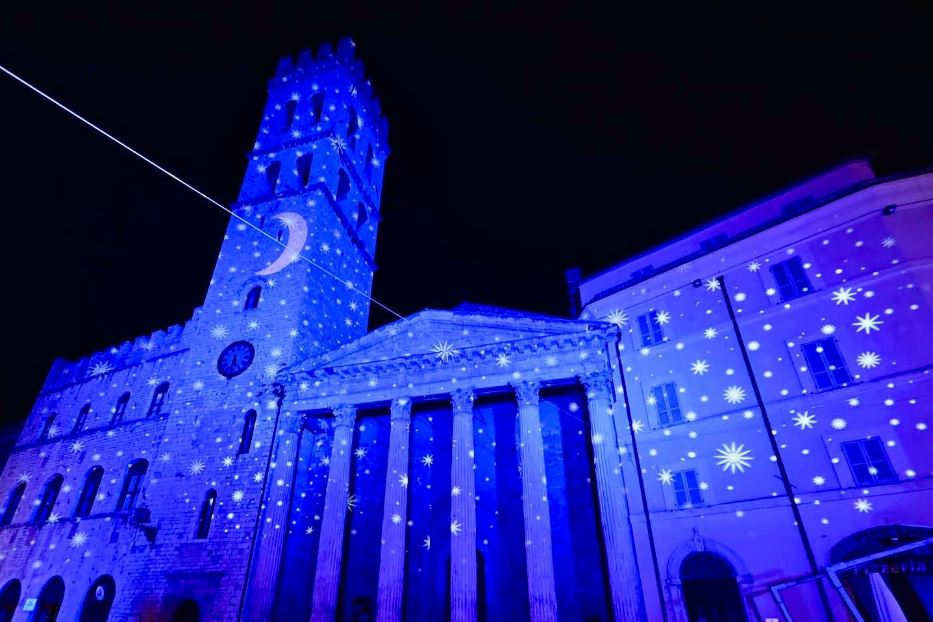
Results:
<point x="687" y="489"/>
<point x="826" y="364"/>
<point x="304" y="169"/>
<point x="650" y="328"/>
<point x="791" y="278"/>
<point x="665" y="398"/>
<point x="868" y="461"/>
<point x="47" y="427"/>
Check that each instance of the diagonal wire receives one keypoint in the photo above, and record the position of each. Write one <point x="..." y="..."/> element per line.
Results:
<point x="349" y="285"/>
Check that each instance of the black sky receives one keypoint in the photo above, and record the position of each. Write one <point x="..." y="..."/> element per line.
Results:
<point x="525" y="141"/>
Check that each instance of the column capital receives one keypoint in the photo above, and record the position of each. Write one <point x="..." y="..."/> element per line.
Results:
<point x="526" y="391"/>
<point x="462" y="401"/>
<point x="345" y="415"/>
<point x="597" y="384"/>
<point x="400" y="409"/>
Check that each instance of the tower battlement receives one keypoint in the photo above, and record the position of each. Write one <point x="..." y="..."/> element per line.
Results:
<point x="309" y="65"/>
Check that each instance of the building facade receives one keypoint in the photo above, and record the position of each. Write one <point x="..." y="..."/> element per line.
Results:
<point x="743" y="415"/>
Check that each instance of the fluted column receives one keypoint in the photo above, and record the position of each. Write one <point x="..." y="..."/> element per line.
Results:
<point x="330" y="547"/>
<point x="267" y="558"/>
<point x="392" y="558"/>
<point x="542" y="595"/>
<point x="613" y="505"/>
<point x="463" y="588"/>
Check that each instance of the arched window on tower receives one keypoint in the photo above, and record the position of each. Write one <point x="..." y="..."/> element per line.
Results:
<point x="158" y="399"/>
<point x="368" y="166"/>
<point x="12" y="504"/>
<point x="47" y="502"/>
<point x="252" y="298"/>
<point x="48" y="425"/>
<point x="120" y="410"/>
<point x="272" y="176"/>
<point x="353" y="126"/>
<point x="246" y="439"/>
<point x="303" y="165"/>
<point x="82" y="419"/>
<point x="89" y="492"/>
<point x="317" y="106"/>
<point x="289" y="114"/>
<point x="207" y="514"/>
<point x="361" y="215"/>
<point x="132" y="485"/>
<point x="343" y="185"/>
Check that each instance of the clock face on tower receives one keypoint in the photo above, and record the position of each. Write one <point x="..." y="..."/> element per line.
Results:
<point x="236" y="358"/>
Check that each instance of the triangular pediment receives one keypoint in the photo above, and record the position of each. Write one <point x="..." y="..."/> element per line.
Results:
<point x="438" y="334"/>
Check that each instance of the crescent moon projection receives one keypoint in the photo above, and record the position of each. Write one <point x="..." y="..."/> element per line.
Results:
<point x="297" y="234"/>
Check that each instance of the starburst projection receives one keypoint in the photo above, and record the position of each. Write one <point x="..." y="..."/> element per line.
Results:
<point x="733" y="457"/>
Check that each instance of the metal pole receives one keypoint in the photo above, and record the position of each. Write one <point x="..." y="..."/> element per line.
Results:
<point x="785" y="480"/>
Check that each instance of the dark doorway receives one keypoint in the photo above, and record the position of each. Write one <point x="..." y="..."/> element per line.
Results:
<point x="50" y="601"/>
<point x="187" y="611"/>
<point x="9" y="599"/>
<point x="98" y="600"/>
<point x="711" y="591"/>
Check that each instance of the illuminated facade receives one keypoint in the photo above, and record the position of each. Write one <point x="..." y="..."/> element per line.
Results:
<point x="272" y="460"/>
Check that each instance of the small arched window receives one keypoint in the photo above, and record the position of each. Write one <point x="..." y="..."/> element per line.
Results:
<point x="252" y="298"/>
<point x="82" y="419"/>
<point x="132" y="485"/>
<point x="158" y="399"/>
<point x="289" y="114"/>
<point x="303" y="165"/>
<point x="207" y="514"/>
<point x="246" y="439"/>
<point x="48" y="427"/>
<point x="317" y="106"/>
<point x="89" y="492"/>
<point x="368" y="166"/>
<point x="12" y="504"/>
<point x="47" y="502"/>
<point x="120" y="410"/>
<point x="361" y="215"/>
<point x="272" y="176"/>
<point x="343" y="185"/>
<point x="353" y="126"/>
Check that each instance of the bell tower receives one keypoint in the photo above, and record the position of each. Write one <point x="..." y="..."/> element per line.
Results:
<point x="312" y="187"/>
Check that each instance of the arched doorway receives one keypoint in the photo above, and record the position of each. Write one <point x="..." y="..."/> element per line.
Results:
<point x="49" y="601"/>
<point x="710" y="589"/>
<point x="187" y="611"/>
<point x="9" y="599"/>
<point x="98" y="600"/>
<point x="907" y="577"/>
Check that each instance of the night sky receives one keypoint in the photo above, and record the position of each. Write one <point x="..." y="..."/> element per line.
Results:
<point x="524" y="142"/>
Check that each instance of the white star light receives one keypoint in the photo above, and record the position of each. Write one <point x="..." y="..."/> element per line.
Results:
<point x="862" y="505"/>
<point x="699" y="367"/>
<point x="843" y="296"/>
<point x="238" y="495"/>
<point x="352" y="502"/>
<point x="228" y="461"/>
<point x="219" y="331"/>
<point x="403" y="480"/>
<point x="804" y="420"/>
<point x="868" y="323"/>
<point x="455" y="527"/>
<point x="710" y="333"/>
<point x="79" y="539"/>
<point x="455" y="491"/>
<point x="828" y="329"/>
<point x="444" y="350"/>
<point x="734" y="394"/>
<point x="338" y="143"/>
<point x="77" y="446"/>
<point x="99" y="369"/>
<point x="819" y="480"/>
<point x="427" y="543"/>
<point x="427" y="460"/>
<point x="754" y="266"/>
<point x="257" y="477"/>
<point x="309" y="530"/>
<point x="666" y="476"/>
<point x="637" y="426"/>
<point x="868" y="360"/>
<point x="712" y="285"/>
<point x="396" y="519"/>
<point x="503" y="360"/>
<point x="197" y="467"/>
<point x="888" y="242"/>
<point x="839" y="423"/>
<point x="617" y="317"/>
<point x="360" y="452"/>
<point x="734" y="458"/>
<point x="550" y="360"/>
<point x="662" y="318"/>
